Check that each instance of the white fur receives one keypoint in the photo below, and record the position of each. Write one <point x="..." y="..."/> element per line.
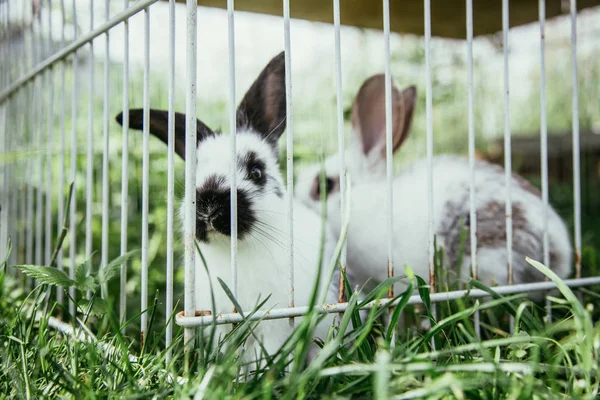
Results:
<point x="367" y="236"/>
<point x="262" y="256"/>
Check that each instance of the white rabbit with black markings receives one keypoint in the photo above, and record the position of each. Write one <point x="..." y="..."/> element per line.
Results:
<point x="263" y="257"/>
<point x="367" y="234"/>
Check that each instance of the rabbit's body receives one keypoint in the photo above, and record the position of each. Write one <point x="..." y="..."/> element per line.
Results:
<point x="262" y="218"/>
<point x="262" y="255"/>
<point x="367" y="244"/>
<point x="367" y="235"/>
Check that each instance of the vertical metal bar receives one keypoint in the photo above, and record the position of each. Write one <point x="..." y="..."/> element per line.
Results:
<point x="145" y="175"/>
<point x="190" y="171"/>
<point x="340" y="135"/>
<point x="62" y="147"/>
<point x="429" y="126"/>
<point x="105" y="177"/>
<point x="35" y="46"/>
<point x="9" y="210"/>
<point x="170" y="179"/>
<point x="22" y="143"/>
<point x="544" y="143"/>
<point x="388" y="144"/>
<point x="14" y="193"/>
<point x="124" y="169"/>
<point x="233" y="133"/>
<point x="575" y="128"/>
<point x="50" y="38"/>
<point x="507" y="142"/>
<point x="9" y="206"/>
<point x="29" y="229"/>
<point x="89" y="178"/>
<point x="4" y="150"/>
<point x="39" y="161"/>
<point x="289" y="148"/>
<point x="471" y="105"/>
<point x="29" y="255"/>
<point x="41" y="44"/>
<point x="49" y="149"/>
<point x="507" y="151"/>
<point x="73" y="178"/>
<point x="5" y="203"/>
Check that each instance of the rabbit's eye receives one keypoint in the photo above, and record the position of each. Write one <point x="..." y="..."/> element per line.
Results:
<point x="329" y="184"/>
<point x="256" y="173"/>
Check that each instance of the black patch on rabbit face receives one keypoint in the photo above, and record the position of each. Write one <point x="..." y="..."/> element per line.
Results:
<point x="213" y="209"/>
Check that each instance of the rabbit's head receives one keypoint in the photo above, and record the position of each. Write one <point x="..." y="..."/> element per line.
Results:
<point x="365" y="156"/>
<point x="261" y="119"/>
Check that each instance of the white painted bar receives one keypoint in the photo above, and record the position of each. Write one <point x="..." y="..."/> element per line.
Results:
<point x="233" y="133"/>
<point x="73" y="175"/>
<point x="39" y="172"/>
<point x="507" y="141"/>
<point x="62" y="148"/>
<point x="39" y="156"/>
<point x="471" y="106"/>
<point x="124" y="169"/>
<point x="170" y="180"/>
<point x="4" y="207"/>
<point x="4" y="149"/>
<point x="5" y="110"/>
<point x="105" y="149"/>
<point x="340" y="134"/>
<point x="544" y="143"/>
<point x="89" y="178"/>
<point x="190" y="171"/>
<point x="8" y="205"/>
<point x="388" y="144"/>
<point x="506" y="290"/>
<point x="289" y="146"/>
<point x="50" y="145"/>
<point x="429" y="126"/>
<point x="13" y="184"/>
<point x="145" y="175"/>
<point x="576" y="147"/>
<point x="29" y="218"/>
<point x="507" y="149"/>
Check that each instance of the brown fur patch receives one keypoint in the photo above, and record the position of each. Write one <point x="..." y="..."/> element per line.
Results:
<point x="491" y="233"/>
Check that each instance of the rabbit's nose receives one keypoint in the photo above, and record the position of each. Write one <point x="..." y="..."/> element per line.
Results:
<point x="211" y="216"/>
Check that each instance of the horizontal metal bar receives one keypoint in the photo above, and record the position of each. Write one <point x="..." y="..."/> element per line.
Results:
<point x="67" y="50"/>
<point x="416" y="299"/>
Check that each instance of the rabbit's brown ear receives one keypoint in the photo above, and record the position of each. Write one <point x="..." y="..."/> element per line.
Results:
<point x="263" y="108"/>
<point x="368" y="114"/>
<point x="159" y="127"/>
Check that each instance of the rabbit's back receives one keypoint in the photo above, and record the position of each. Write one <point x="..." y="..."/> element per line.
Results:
<point x="452" y="212"/>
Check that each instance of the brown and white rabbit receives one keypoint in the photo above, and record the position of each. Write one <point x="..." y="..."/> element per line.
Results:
<point x="262" y="210"/>
<point x="367" y="235"/>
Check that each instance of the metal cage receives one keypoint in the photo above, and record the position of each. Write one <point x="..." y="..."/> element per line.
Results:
<point x="33" y="100"/>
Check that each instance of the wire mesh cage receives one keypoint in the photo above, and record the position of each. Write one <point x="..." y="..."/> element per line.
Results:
<point x="50" y="96"/>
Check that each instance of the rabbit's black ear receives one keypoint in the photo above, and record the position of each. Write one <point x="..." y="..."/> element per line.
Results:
<point x="263" y="108"/>
<point x="159" y="127"/>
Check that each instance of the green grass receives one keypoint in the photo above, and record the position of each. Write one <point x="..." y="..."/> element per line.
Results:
<point x="538" y="360"/>
<point x="89" y="357"/>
